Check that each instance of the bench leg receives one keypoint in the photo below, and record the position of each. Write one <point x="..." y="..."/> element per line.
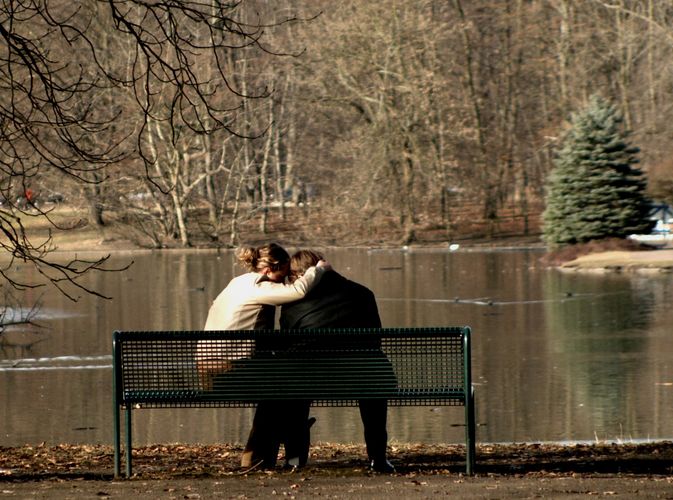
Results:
<point x="129" y="434"/>
<point x="470" y="433"/>
<point x="117" y="440"/>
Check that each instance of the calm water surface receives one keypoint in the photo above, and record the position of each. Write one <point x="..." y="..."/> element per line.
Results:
<point x="556" y="356"/>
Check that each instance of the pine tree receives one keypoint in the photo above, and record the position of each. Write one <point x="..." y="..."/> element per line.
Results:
<point x="594" y="191"/>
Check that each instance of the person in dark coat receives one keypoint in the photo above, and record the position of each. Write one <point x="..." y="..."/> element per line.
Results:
<point x="335" y="302"/>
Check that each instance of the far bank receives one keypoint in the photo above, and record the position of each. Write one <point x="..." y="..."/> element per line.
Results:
<point x="73" y="235"/>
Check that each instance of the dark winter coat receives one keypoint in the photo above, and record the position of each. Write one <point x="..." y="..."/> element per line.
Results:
<point x="335" y="302"/>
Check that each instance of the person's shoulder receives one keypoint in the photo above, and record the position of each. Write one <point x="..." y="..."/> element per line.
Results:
<point x="339" y="280"/>
<point x="358" y="287"/>
<point x="246" y="279"/>
<point x="354" y="284"/>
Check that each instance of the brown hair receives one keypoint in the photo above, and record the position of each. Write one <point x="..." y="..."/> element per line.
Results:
<point x="302" y="260"/>
<point x="270" y="255"/>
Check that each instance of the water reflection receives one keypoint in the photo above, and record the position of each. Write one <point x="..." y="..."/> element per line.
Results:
<point x="556" y="356"/>
<point x="599" y="333"/>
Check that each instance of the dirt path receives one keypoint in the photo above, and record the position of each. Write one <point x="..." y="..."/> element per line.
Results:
<point x="375" y="487"/>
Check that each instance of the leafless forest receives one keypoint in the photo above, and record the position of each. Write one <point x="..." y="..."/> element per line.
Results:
<point x="207" y="122"/>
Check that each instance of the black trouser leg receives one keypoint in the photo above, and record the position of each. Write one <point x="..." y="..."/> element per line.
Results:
<point x="263" y="440"/>
<point x="297" y="433"/>
<point x="374" y="413"/>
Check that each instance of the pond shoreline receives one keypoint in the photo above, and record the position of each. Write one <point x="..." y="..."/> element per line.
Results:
<point x="658" y="260"/>
<point x="610" y="255"/>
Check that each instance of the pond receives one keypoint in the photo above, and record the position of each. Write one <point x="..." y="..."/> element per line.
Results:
<point x="556" y="356"/>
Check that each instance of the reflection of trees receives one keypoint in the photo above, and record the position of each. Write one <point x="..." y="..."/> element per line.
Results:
<point x="597" y="326"/>
<point x="17" y="327"/>
<point x="17" y="348"/>
<point x="587" y="301"/>
<point x="12" y="314"/>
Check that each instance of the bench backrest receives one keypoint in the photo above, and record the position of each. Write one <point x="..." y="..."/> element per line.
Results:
<point x="332" y="367"/>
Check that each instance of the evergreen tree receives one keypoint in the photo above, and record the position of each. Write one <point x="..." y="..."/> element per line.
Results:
<point x="594" y="191"/>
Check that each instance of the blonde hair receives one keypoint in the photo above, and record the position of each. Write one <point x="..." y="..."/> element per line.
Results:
<point x="270" y="255"/>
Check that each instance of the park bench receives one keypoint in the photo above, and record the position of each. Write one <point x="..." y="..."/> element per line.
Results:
<point x="331" y="367"/>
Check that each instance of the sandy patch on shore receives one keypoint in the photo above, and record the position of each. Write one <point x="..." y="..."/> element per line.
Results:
<point x="651" y="260"/>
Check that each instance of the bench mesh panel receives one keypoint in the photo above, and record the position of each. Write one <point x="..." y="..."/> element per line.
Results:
<point x="330" y="367"/>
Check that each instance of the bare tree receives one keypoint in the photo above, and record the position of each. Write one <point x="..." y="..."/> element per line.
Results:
<point x="394" y="115"/>
<point x="373" y="87"/>
<point x="53" y="70"/>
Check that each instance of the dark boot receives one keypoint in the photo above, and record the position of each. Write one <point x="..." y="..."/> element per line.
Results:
<point x="374" y="414"/>
<point x="382" y="466"/>
<point x="297" y="448"/>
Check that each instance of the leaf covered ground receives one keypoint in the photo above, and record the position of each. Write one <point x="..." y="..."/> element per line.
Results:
<point x="339" y="471"/>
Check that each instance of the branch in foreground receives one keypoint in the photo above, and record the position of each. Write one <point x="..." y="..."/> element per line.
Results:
<point x="66" y="277"/>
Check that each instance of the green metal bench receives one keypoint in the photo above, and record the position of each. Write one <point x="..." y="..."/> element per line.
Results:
<point x="331" y="367"/>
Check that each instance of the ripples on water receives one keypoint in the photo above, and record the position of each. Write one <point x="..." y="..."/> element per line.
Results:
<point x="556" y="357"/>
<point x="57" y="363"/>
